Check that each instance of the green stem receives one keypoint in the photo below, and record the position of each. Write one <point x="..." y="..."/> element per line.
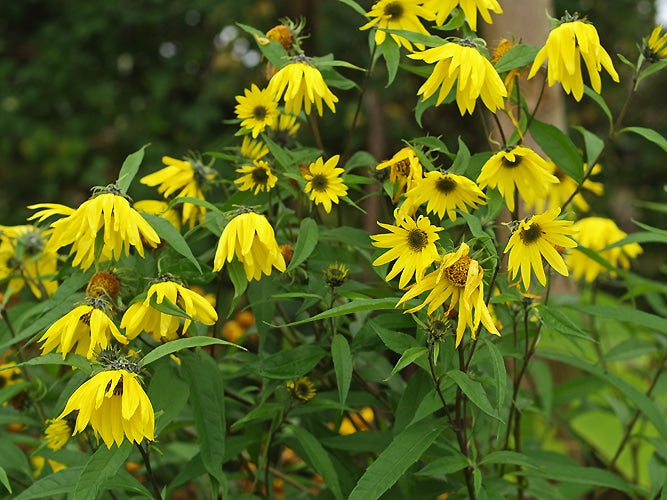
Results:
<point x="149" y="470"/>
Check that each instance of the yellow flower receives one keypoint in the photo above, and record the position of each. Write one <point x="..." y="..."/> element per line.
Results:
<point x="257" y="176"/>
<point x="38" y="462"/>
<point x="286" y="126"/>
<point x="357" y="422"/>
<point x="565" y="45"/>
<point x="110" y="212"/>
<point x="116" y="407"/>
<point x="10" y="374"/>
<point x="445" y="193"/>
<point x="57" y="433"/>
<point x="535" y="238"/>
<point x="336" y="274"/>
<point x="251" y="238"/>
<point x="159" y="208"/>
<point x="253" y="150"/>
<point x="142" y="316"/>
<point x="443" y="8"/>
<point x="85" y="329"/>
<point x="303" y="85"/>
<point x="404" y="170"/>
<point x="459" y="279"/>
<point x="398" y="15"/>
<point x="324" y="182"/>
<point x="517" y="167"/>
<point x="257" y="109"/>
<point x="561" y="191"/>
<point x="460" y="62"/>
<point x="25" y="261"/>
<point x="184" y="178"/>
<point x="655" y="48"/>
<point x="597" y="233"/>
<point x="411" y="244"/>
<point x="303" y="388"/>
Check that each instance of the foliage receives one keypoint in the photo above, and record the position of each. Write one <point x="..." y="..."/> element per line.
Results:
<point x="229" y="324"/>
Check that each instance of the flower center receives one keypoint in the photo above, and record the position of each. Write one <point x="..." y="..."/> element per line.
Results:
<point x="457" y="273"/>
<point x="320" y="182"/>
<point x="445" y="184"/>
<point x="259" y="112"/>
<point x="532" y="234"/>
<point x="33" y="243"/>
<point x="259" y="176"/>
<point x="507" y="163"/>
<point x="403" y="167"/>
<point x="559" y="174"/>
<point x="394" y="10"/>
<point x="417" y="240"/>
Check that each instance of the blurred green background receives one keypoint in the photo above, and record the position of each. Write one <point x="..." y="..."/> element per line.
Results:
<point x="83" y="84"/>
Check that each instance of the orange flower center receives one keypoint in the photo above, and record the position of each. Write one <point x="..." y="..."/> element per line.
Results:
<point x="457" y="273"/>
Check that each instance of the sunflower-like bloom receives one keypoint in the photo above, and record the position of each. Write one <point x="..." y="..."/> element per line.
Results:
<point x="655" y="48"/>
<point x="159" y="208"/>
<point x="442" y="9"/>
<point x="184" y="178"/>
<point x="257" y="109"/>
<point x="286" y="126"/>
<point x="398" y="15"/>
<point x="57" y="433"/>
<point x="24" y="260"/>
<point x="445" y="193"/>
<point x="566" y="44"/>
<point x="558" y="193"/>
<point x="116" y="407"/>
<point x="520" y="167"/>
<point x="251" y="238"/>
<point x="404" y="170"/>
<point x="460" y="62"/>
<point x="142" y="316"/>
<point x="458" y="279"/>
<point x="302" y="388"/>
<point x="253" y="150"/>
<point x="324" y="182"/>
<point x="303" y="85"/>
<point x="257" y="177"/>
<point x="411" y="244"/>
<point x="110" y="212"/>
<point x="537" y="237"/>
<point x="597" y="233"/>
<point x="85" y="329"/>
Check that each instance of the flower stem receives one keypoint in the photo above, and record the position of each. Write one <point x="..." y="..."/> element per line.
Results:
<point x="149" y="470"/>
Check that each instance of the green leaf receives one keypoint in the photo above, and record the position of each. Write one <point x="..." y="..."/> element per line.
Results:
<point x="499" y="372"/>
<point x="102" y="465"/>
<point x="445" y="465"/>
<point x="474" y="391"/>
<point x="170" y="234"/>
<point x="129" y="169"/>
<point x="318" y="457"/>
<point x="462" y="159"/>
<point x="208" y="407"/>
<point x="239" y="279"/>
<point x="180" y="344"/>
<point x="305" y="243"/>
<point x="404" y="451"/>
<point x="398" y="342"/>
<point x="648" y="408"/>
<point x="358" y="8"/>
<point x="653" y="68"/>
<point x="517" y="57"/>
<point x="342" y="360"/>
<point x="168" y="394"/>
<point x="282" y="156"/>
<point x="168" y="307"/>
<point x="559" y="147"/>
<point x="560" y="322"/>
<point x="355" y="305"/>
<point x="625" y="314"/>
<point x="592" y="143"/>
<point x="71" y="359"/>
<point x="648" y="134"/>
<point x="392" y="55"/>
<point x="59" y="483"/>
<point x="506" y="457"/>
<point x="290" y="364"/>
<point x="125" y="481"/>
<point x="4" y="479"/>
<point x="599" y="100"/>
<point x="408" y="357"/>
<point x="273" y="51"/>
<point x="629" y="349"/>
<point x="423" y="105"/>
